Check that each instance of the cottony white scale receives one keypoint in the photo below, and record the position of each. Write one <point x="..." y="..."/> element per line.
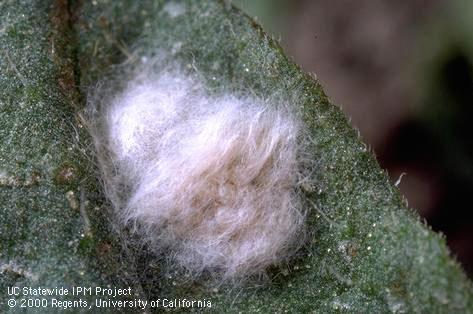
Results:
<point x="211" y="180"/>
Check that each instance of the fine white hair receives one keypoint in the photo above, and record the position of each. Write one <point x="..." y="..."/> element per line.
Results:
<point x="211" y="181"/>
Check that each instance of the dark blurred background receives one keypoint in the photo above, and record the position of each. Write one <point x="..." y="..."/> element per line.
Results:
<point x="402" y="71"/>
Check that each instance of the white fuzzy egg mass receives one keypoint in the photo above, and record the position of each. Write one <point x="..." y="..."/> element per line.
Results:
<point x="209" y="180"/>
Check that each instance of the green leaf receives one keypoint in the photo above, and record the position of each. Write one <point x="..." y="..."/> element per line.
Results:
<point x="367" y="251"/>
<point x="51" y="233"/>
